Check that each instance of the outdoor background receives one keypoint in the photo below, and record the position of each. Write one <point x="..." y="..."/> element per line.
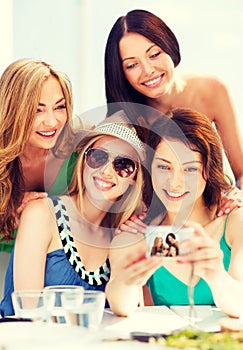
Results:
<point x="71" y="34"/>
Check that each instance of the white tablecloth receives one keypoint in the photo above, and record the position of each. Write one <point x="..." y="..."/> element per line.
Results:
<point x="34" y="336"/>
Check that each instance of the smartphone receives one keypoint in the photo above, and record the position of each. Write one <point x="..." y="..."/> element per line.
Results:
<point x="165" y="241"/>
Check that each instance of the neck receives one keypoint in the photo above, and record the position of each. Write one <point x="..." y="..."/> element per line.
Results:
<point x="31" y="153"/>
<point x="168" y="100"/>
<point x="94" y="214"/>
<point x="199" y="213"/>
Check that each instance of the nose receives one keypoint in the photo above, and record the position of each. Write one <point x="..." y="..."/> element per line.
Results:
<point x="148" y="67"/>
<point x="50" y="118"/>
<point x="176" y="179"/>
<point x="107" y="169"/>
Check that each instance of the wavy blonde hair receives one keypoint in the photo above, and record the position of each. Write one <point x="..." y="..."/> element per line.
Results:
<point x="20" y="89"/>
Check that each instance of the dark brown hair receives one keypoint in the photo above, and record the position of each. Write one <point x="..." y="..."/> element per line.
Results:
<point x="196" y="131"/>
<point x="153" y="28"/>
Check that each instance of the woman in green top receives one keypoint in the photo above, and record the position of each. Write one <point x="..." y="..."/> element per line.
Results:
<point x="35" y="104"/>
<point x="185" y="161"/>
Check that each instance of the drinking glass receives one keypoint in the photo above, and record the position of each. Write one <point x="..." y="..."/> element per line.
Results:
<point x="58" y="312"/>
<point x="87" y="314"/>
<point x="33" y="304"/>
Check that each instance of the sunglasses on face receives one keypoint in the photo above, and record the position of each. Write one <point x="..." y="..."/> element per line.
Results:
<point x="96" y="158"/>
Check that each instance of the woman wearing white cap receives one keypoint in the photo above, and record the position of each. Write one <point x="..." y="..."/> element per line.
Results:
<point x="65" y="240"/>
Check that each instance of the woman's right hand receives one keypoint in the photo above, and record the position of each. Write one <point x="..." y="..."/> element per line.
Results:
<point x="133" y="225"/>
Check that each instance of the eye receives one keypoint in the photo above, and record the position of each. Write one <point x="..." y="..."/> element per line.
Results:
<point x="155" y="54"/>
<point x="191" y="169"/>
<point x="39" y="110"/>
<point x="63" y="106"/>
<point x="163" y="167"/>
<point x="131" y="65"/>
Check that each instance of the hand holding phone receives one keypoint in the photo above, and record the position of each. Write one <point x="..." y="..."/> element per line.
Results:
<point x="165" y="241"/>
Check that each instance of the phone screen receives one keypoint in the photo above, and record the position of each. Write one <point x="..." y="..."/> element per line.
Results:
<point x="165" y="241"/>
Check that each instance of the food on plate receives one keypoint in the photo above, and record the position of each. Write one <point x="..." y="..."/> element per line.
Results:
<point x="191" y="339"/>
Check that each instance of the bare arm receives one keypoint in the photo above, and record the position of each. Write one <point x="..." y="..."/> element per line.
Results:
<point x="226" y="122"/>
<point x="130" y="270"/>
<point x="32" y="242"/>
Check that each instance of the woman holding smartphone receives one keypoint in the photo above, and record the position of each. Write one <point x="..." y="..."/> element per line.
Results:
<point x="184" y="158"/>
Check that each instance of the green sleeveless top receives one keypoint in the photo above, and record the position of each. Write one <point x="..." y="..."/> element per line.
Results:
<point x="59" y="187"/>
<point x="167" y="290"/>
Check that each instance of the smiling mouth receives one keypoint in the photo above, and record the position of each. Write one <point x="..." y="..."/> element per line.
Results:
<point x="102" y="184"/>
<point x="47" y="134"/>
<point x="175" y="196"/>
<point x="153" y="82"/>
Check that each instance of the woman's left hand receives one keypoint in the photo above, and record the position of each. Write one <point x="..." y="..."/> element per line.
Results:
<point x="203" y="251"/>
<point x="30" y="196"/>
<point x="231" y="200"/>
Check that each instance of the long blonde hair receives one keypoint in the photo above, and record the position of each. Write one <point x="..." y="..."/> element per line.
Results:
<point x="20" y="89"/>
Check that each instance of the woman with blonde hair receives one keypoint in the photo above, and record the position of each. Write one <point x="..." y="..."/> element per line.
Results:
<point x="35" y="104"/>
<point x="69" y="242"/>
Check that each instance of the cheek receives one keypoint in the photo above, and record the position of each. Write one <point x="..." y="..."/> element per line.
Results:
<point x="86" y="176"/>
<point x="123" y="187"/>
<point x="37" y="121"/>
<point x="158" y="180"/>
<point x="196" y="185"/>
<point x="131" y="76"/>
<point x="62" y="118"/>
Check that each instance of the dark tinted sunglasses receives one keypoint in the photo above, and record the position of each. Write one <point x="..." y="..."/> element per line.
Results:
<point x="96" y="158"/>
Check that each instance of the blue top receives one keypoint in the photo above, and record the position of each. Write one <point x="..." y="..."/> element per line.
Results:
<point x="168" y="290"/>
<point x="63" y="266"/>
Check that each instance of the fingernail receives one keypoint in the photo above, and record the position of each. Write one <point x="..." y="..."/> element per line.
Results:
<point x="220" y="213"/>
<point x="227" y="211"/>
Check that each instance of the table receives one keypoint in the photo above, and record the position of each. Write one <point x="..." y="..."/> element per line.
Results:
<point x="33" y="336"/>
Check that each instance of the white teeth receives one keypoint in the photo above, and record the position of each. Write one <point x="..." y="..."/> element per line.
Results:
<point x="47" y="133"/>
<point x="103" y="184"/>
<point x="151" y="82"/>
<point x="174" y="194"/>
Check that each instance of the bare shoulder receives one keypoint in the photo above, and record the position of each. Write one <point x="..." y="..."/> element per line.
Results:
<point x="38" y="208"/>
<point x="236" y="216"/>
<point x="235" y="225"/>
<point x="204" y="82"/>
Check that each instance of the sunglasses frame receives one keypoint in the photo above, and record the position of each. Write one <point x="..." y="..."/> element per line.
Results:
<point x="110" y="156"/>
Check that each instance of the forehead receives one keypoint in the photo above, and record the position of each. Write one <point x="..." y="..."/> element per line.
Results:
<point x="51" y="89"/>
<point x="132" y="43"/>
<point x="116" y="146"/>
<point x="176" y="151"/>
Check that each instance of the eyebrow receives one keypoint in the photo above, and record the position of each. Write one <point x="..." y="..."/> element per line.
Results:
<point x="43" y="104"/>
<point x="167" y="161"/>
<point x="132" y="58"/>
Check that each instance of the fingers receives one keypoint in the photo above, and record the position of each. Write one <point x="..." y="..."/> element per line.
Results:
<point x="198" y="229"/>
<point x="231" y="200"/>
<point x="29" y="196"/>
<point x="204" y="253"/>
<point x="133" y="225"/>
